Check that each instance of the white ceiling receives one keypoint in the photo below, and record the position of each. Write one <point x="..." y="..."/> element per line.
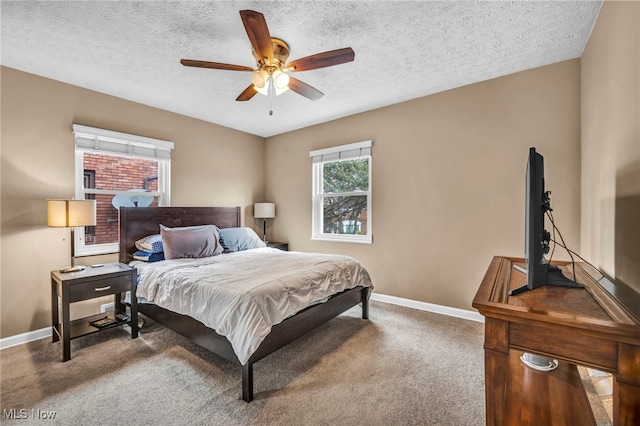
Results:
<point x="403" y="50"/>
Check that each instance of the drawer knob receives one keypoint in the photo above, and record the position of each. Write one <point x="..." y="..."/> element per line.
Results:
<point x="103" y="288"/>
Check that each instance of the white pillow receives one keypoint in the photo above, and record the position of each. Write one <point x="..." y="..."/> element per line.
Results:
<point x="150" y="244"/>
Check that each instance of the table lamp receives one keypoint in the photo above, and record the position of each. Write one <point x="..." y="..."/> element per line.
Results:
<point x="264" y="211"/>
<point x="70" y="214"/>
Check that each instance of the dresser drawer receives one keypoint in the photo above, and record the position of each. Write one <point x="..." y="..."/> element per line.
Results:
<point x="97" y="288"/>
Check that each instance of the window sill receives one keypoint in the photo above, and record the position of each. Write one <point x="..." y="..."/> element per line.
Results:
<point x="343" y="238"/>
<point x="86" y="251"/>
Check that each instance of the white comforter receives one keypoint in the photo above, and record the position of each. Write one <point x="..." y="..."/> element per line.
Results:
<point x="241" y="295"/>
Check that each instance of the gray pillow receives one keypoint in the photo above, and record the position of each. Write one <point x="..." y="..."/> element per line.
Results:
<point x="190" y="241"/>
<point x="238" y="239"/>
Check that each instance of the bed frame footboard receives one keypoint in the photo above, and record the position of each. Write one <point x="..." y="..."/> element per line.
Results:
<point x="281" y="334"/>
<point x="300" y="324"/>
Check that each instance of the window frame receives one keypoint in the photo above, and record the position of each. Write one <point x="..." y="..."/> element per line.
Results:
<point x="107" y="142"/>
<point x="354" y="151"/>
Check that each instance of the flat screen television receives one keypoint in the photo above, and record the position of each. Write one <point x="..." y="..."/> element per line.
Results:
<point x="537" y="238"/>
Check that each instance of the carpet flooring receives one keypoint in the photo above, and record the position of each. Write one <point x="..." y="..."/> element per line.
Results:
<point x="401" y="367"/>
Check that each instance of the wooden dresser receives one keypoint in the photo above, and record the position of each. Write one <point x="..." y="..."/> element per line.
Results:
<point x="586" y="327"/>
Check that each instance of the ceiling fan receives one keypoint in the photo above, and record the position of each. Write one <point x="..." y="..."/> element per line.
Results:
<point x="272" y="73"/>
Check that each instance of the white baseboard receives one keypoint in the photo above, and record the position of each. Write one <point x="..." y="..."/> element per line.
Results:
<point x="43" y="333"/>
<point x="429" y="307"/>
<point x="27" y="337"/>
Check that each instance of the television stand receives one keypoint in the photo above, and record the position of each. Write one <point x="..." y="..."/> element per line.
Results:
<point x="555" y="277"/>
<point x="591" y="328"/>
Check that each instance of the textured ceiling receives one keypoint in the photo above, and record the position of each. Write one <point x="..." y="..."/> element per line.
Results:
<point x="403" y="50"/>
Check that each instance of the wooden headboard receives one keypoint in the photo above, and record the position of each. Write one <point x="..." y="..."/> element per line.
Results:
<point x="138" y="222"/>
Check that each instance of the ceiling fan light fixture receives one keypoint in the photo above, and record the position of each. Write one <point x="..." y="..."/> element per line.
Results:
<point x="270" y="86"/>
<point x="259" y="79"/>
<point x="264" y="90"/>
<point x="280" y="91"/>
<point x="281" y="80"/>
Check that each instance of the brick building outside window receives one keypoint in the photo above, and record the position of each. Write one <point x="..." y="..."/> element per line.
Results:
<point x="108" y="172"/>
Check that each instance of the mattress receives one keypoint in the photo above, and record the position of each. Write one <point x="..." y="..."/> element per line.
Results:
<point x="243" y="294"/>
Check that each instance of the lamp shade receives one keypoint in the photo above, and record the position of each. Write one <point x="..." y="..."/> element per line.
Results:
<point x="264" y="210"/>
<point x="70" y="213"/>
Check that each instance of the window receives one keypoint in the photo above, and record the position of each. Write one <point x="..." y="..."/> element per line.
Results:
<point x="342" y="193"/>
<point x="117" y="169"/>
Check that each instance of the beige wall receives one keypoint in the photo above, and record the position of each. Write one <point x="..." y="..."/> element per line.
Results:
<point x="448" y="180"/>
<point x="610" y="68"/>
<point x="211" y="166"/>
<point x="448" y="172"/>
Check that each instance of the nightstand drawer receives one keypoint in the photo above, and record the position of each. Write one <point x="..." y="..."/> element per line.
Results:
<point x="97" y="288"/>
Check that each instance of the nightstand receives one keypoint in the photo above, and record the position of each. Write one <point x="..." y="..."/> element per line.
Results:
<point x="92" y="282"/>
<point x="280" y="246"/>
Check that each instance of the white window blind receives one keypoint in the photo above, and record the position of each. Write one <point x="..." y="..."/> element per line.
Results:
<point x="110" y="142"/>
<point x="342" y="152"/>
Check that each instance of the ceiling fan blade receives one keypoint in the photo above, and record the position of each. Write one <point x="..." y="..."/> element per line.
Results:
<point x="321" y="60"/>
<point x="214" y="65"/>
<point x="247" y="94"/>
<point x="304" y="89"/>
<point x="256" y="27"/>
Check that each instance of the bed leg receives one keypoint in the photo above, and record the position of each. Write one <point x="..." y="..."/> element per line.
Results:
<point x="365" y="302"/>
<point x="247" y="381"/>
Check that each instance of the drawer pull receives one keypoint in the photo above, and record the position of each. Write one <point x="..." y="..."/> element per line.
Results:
<point x="103" y="288"/>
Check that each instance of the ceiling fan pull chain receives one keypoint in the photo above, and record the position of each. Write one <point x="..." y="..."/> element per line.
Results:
<point x="271" y="90"/>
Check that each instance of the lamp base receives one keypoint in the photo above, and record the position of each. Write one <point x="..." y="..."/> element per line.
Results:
<point x="264" y="230"/>
<point x="72" y="269"/>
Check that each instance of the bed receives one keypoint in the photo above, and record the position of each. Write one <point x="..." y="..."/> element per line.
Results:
<point x="136" y="223"/>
